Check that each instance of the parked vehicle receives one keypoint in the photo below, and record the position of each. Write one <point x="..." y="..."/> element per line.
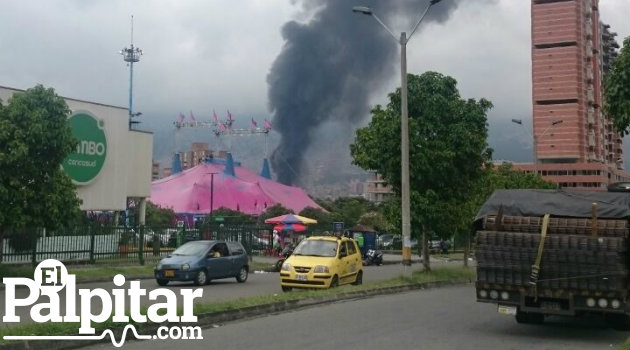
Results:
<point x="322" y="262"/>
<point x="434" y="245"/>
<point x="150" y="236"/>
<point x="384" y="241"/>
<point x="373" y="257"/>
<point x="552" y="252"/>
<point x="202" y="261"/>
<point x="187" y="236"/>
<point x="260" y="241"/>
<point x="284" y="255"/>
<point x="389" y="241"/>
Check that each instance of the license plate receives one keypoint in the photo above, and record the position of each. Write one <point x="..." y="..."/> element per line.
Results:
<point x="507" y="310"/>
<point x="301" y="277"/>
<point x="550" y="305"/>
<point x="169" y="273"/>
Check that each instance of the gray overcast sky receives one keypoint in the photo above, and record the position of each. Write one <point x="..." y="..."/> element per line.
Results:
<point x="204" y="55"/>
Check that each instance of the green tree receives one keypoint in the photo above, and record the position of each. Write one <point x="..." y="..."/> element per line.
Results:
<point x="494" y="178"/>
<point x="158" y="217"/>
<point x="617" y="90"/>
<point x="350" y="209"/>
<point x="324" y="219"/>
<point x="505" y="176"/>
<point x="35" y="137"/>
<point x="272" y="212"/>
<point x="375" y="220"/>
<point x="327" y="204"/>
<point x="391" y="211"/>
<point x="346" y="209"/>
<point x="447" y="138"/>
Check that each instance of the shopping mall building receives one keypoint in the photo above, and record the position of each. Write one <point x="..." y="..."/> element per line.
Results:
<point x="112" y="163"/>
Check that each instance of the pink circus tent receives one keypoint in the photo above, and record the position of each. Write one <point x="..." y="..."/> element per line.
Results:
<point x="189" y="191"/>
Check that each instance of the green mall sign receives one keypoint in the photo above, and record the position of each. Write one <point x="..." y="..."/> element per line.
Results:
<point x="86" y="163"/>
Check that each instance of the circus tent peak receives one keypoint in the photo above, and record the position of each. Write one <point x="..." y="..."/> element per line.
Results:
<point x="234" y="187"/>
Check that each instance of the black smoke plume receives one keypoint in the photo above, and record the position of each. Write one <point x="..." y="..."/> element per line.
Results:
<point x="328" y="68"/>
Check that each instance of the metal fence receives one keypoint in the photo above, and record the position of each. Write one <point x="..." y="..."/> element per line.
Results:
<point x="106" y="244"/>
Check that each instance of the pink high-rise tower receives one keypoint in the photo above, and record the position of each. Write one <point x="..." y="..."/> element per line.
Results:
<point x="576" y="145"/>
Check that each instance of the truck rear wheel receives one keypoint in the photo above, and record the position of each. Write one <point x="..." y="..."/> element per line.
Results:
<point x="619" y="322"/>
<point x="529" y="317"/>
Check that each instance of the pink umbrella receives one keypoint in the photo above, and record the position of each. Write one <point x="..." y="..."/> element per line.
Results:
<point x="290" y="219"/>
<point x="290" y="227"/>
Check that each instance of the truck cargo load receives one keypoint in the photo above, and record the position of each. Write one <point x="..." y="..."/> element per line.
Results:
<point x="552" y="252"/>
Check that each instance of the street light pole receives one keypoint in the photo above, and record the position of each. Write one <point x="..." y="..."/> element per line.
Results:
<point x="535" y="138"/>
<point x="404" y="127"/>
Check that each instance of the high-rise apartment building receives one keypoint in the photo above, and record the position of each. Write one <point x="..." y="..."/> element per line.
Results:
<point x="155" y="171"/>
<point x="198" y="152"/>
<point x="377" y="189"/>
<point x="576" y="145"/>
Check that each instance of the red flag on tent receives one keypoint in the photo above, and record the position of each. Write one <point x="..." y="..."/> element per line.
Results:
<point x="180" y="118"/>
<point x="267" y="124"/>
<point x="222" y="127"/>
<point x="254" y="124"/>
<point x="214" y="116"/>
<point x="192" y="117"/>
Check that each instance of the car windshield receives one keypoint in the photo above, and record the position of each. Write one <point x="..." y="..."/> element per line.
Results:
<point x="190" y="249"/>
<point x="313" y="247"/>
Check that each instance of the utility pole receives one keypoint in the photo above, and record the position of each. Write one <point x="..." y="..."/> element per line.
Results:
<point x="211" y="196"/>
<point x="535" y="139"/>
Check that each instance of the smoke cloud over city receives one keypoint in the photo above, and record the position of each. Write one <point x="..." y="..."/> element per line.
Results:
<point x="328" y="68"/>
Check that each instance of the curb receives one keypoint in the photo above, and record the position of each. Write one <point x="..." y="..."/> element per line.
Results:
<point x="128" y="278"/>
<point x="390" y="262"/>
<point x="204" y="320"/>
<point x="270" y="268"/>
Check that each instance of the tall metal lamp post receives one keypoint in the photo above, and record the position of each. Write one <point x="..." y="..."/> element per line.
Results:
<point x="535" y="138"/>
<point x="131" y="55"/>
<point x="404" y="122"/>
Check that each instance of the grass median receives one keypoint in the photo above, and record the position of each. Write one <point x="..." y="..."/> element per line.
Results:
<point x="439" y="274"/>
<point x="99" y="271"/>
<point x="625" y="345"/>
<point x="83" y="272"/>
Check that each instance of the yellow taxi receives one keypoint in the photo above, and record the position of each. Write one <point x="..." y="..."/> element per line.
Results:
<point x="322" y="262"/>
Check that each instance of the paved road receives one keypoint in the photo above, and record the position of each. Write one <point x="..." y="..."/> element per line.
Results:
<point x="446" y="318"/>
<point x="218" y="290"/>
